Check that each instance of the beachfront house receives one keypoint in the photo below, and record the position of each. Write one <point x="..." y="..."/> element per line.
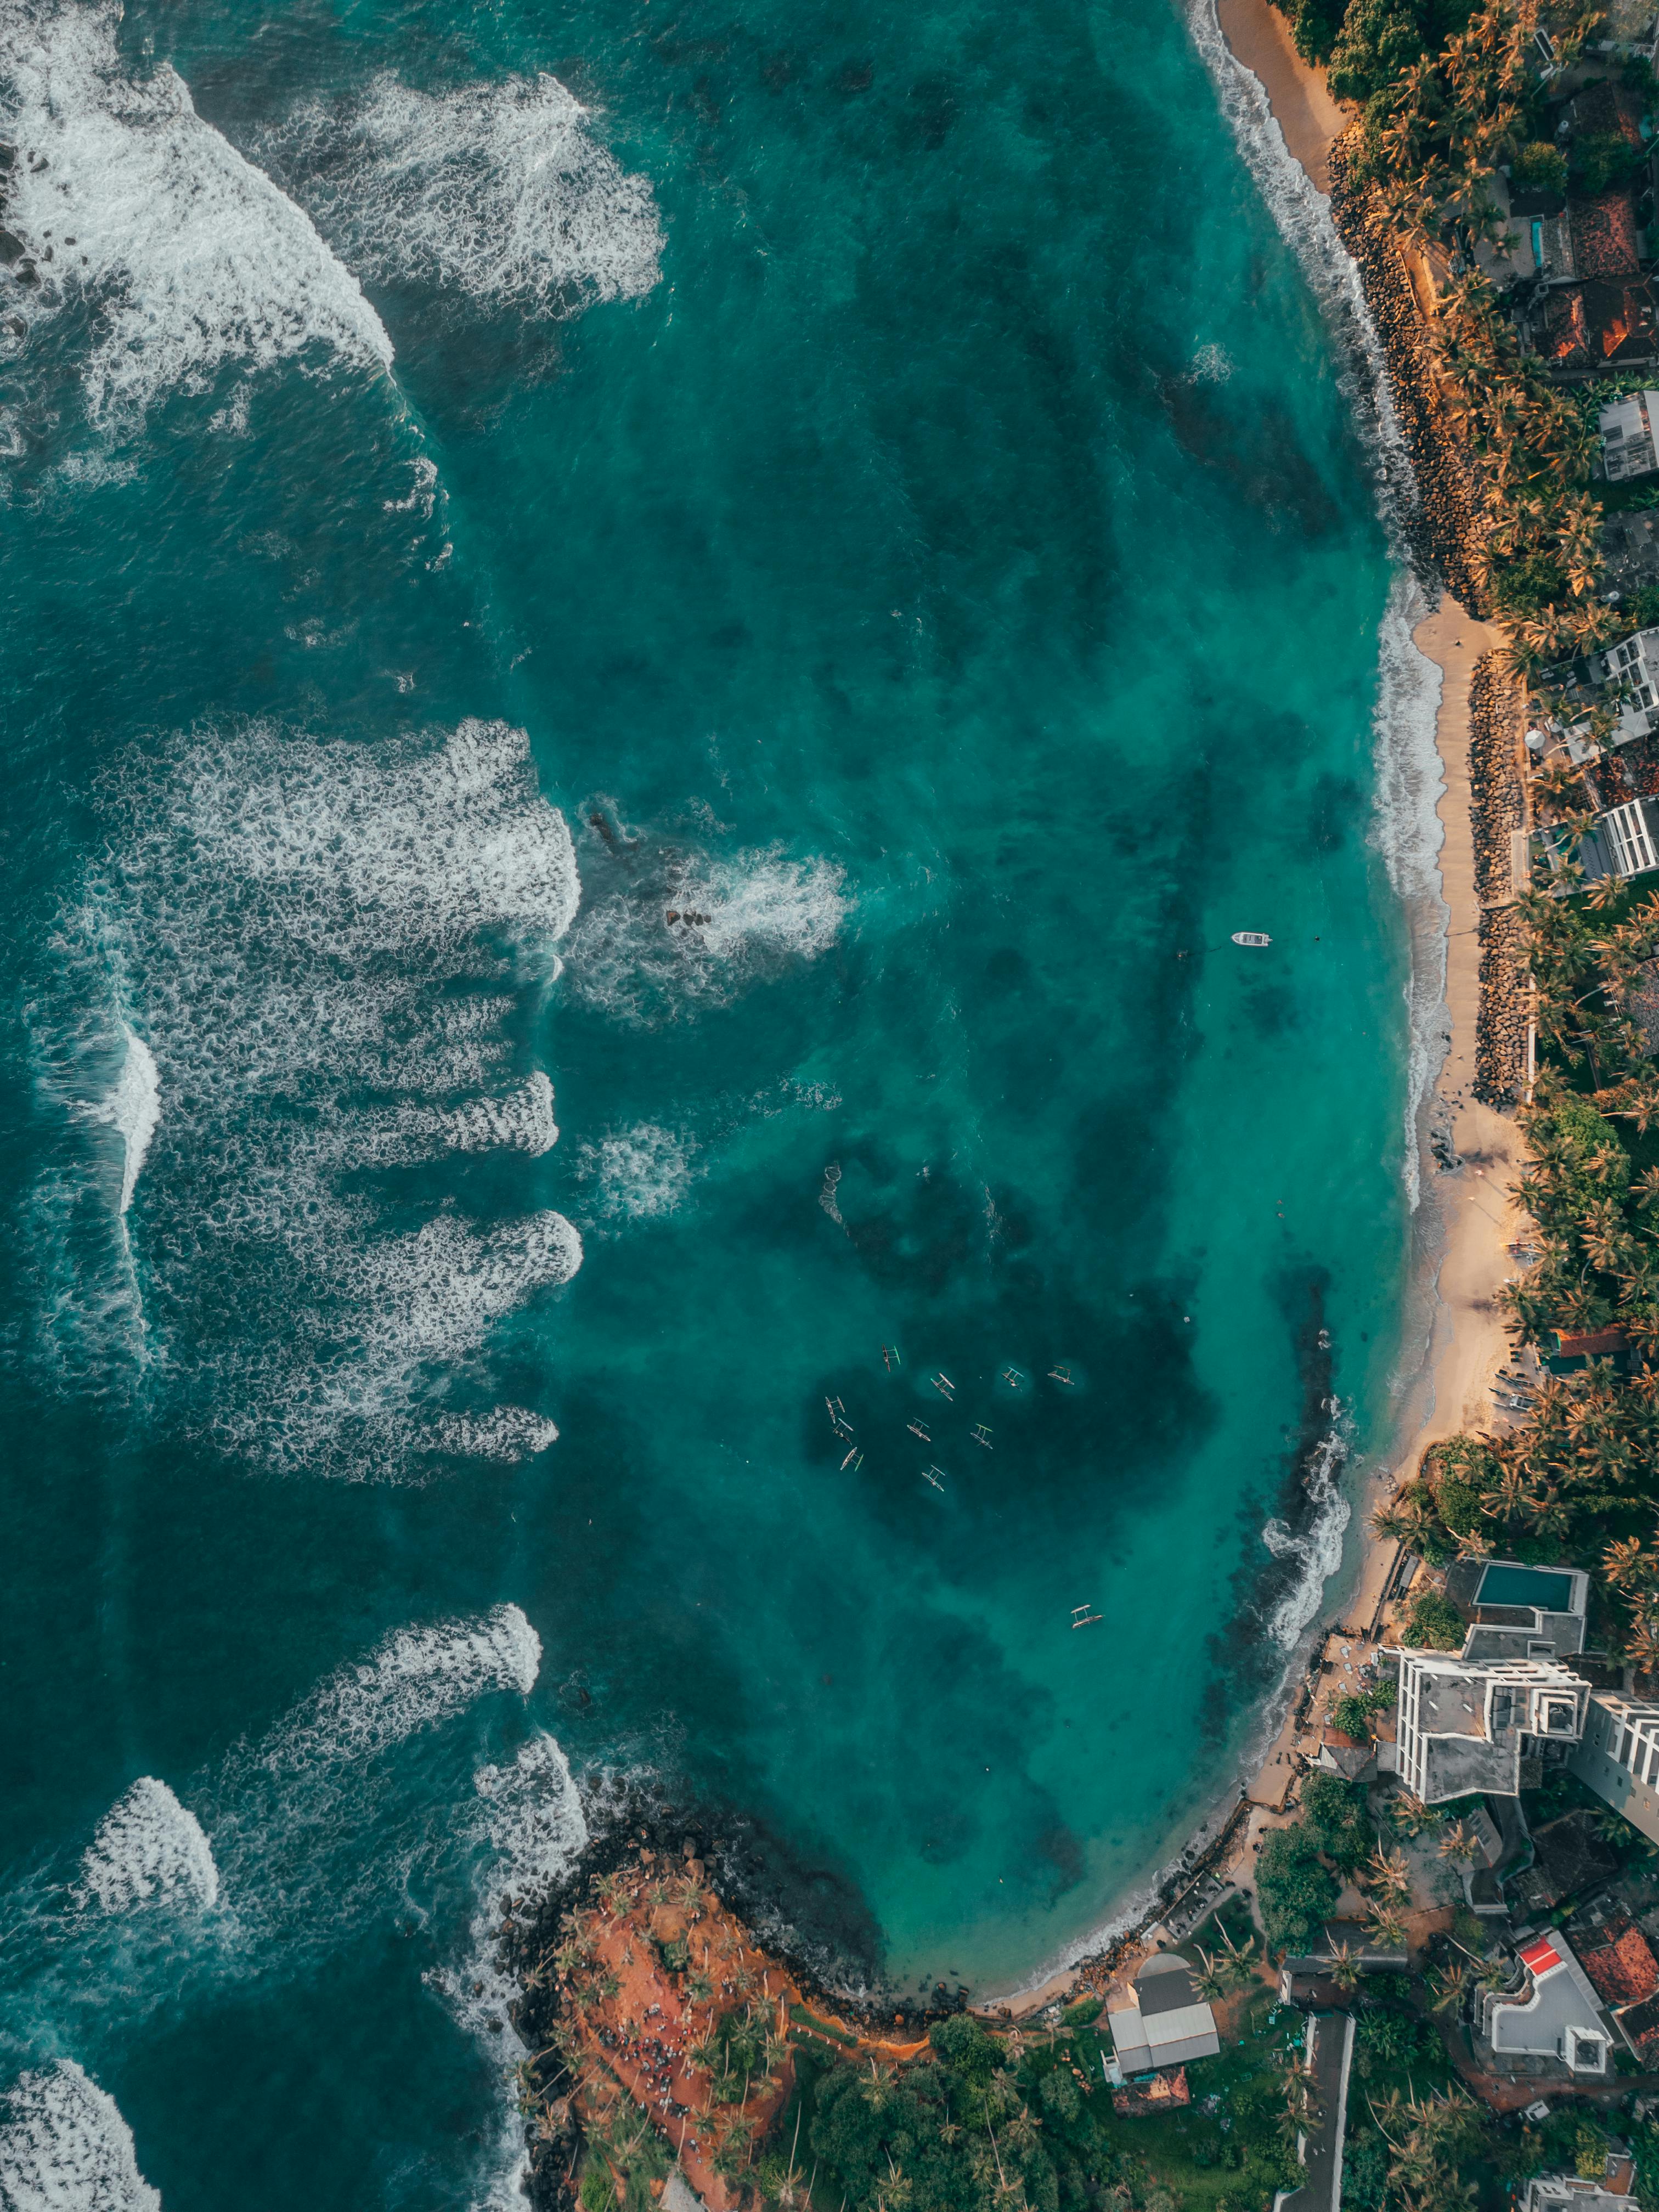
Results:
<point x="1630" y="436"/>
<point x="1466" y="1726"/>
<point x="1552" y="2019"/>
<point x="1165" y="2022"/>
<point x="1513" y="1611"/>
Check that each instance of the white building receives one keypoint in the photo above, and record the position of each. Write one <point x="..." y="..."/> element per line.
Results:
<point x="1166" y="2022"/>
<point x="1554" y="2019"/>
<point x="1623" y="842"/>
<point x="1567" y="2192"/>
<point x="1619" y="1757"/>
<point x="1464" y="1725"/>
<point x="1630" y="436"/>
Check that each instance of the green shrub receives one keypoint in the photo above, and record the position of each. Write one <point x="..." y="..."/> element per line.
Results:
<point x="1297" y="1890"/>
<point x="1432" y="1623"/>
<point x="1539" y="167"/>
<point x="1335" y="1812"/>
<point x="1353" y="1715"/>
<point x="1602" y="159"/>
<point x="1080" y="2014"/>
<point x="1394" y="2038"/>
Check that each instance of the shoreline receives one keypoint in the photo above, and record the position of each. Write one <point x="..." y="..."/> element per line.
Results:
<point x="1469" y="1150"/>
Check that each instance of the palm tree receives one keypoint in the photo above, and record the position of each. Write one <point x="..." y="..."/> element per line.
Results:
<point x="1385" y="1928"/>
<point x="1345" y="1967"/>
<point x="1450" y="1990"/>
<point x="1209" y="1981"/>
<point x="1387" y="1873"/>
<point x="1460" y="1843"/>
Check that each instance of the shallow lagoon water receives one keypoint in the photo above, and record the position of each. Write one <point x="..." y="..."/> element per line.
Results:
<point x="899" y="485"/>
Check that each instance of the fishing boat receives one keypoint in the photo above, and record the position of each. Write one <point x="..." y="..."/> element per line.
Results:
<point x="1251" y="937"/>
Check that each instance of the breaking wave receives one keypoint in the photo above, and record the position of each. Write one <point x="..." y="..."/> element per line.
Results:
<point x="190" y="256"/>
<point x="64" y="2148"/>
<point x="690" y="932"/>
<point x="133" y="1109"/>
<point x="498" y="191"/>
<point x="414" y="1678"/>
<point x="149" y="1850"/>
<point x="323" y="942"/>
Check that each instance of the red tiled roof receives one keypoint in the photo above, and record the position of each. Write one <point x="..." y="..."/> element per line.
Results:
<point x="1624" y="1971"/>
<point x="1346" y="1743"/>
<point x="1540" y="1958"/>
<point x="1604" y="236"/>
<point x="1589" y="1344"/>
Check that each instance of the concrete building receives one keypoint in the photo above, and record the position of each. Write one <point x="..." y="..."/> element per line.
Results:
<point x="1630" y="428"/>
<point x="1464" y="1725"/>
<point x="1618" y="1757"/>
<point x="1553" y="2021"/>
<point x="1166" y="2022"/>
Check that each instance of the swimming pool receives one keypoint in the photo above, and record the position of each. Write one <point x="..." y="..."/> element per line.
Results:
<point x="1550" y="1593"/>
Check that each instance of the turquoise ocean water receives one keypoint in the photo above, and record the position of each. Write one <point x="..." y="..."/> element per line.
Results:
<point x="648" y="655"/>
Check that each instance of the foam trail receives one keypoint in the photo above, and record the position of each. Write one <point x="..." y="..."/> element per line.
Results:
<point x="66" y="2148"/>
<point x="193" y="257"/>
<point x="517" y="1121"/>
<point x="149" y="1850"/>
<point x="498" y="190"/>
<point x="133" y="1109"/>
<point x="506" y="1433"/>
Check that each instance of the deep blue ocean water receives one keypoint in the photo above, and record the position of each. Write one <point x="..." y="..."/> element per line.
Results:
<point x="647" y="656"/>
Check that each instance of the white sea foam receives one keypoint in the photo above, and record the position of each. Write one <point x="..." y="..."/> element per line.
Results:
<point x="736" y="921"/>
<point x="1212" y="364"/>
<point x="641" y="1173"/>
<point x="498" y="189"/>
<point x="133" y="1109"/>
<point x="414" y="1678"/>
<point x="149" y="1849"/>
<point x="1407" y="829"/>
<point x="518" y="1121"/>
<point x="191" y="256"/>
<point x="1318" y="1551"/>
<point x="65" y="2148"/>
<point x="324" y="941"/>
<point x="506" y="1433"/>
